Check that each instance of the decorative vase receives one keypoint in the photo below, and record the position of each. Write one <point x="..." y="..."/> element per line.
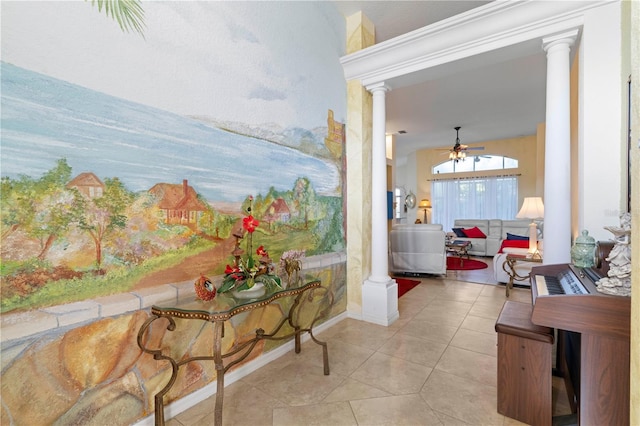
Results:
<point x="257" y="290"/>
<point x="582" y="252"/>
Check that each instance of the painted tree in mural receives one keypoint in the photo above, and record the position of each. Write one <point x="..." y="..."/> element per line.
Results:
<point x="330" y="232"/>
<point x="305" y="198"/>
<point x="42" y="208"/>
<point x="103" y="215"/>
<point x="14" y="202"/>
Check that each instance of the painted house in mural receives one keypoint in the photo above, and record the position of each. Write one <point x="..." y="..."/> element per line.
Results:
<point x="88" y="184"/>
<point x="179" y="203"/>
<point x="278" y="211"/>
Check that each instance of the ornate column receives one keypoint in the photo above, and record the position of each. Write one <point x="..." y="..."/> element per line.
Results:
<point x="380" y="292"/>
<point x="557" y="164"/>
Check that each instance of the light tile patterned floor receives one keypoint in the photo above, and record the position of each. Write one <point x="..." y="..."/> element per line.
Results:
<point x="436" y="365"/>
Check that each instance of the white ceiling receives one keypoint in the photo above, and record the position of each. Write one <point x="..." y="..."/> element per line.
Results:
<point x="494" y="98"/>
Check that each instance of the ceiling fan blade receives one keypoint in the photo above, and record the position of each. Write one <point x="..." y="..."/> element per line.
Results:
<point x="475" y="148"/>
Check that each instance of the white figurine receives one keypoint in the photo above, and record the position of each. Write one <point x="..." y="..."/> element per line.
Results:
<point x="618" y="281"/>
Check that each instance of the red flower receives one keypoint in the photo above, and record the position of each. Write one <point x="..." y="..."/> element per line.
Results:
<point x="230" y="270"/>
<point x="261" y="251"/>
<point x="250" y="224"/>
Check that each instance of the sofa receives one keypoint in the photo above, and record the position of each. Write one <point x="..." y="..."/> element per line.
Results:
<point x="417" y="249"/>
<point x="495" y="230"/>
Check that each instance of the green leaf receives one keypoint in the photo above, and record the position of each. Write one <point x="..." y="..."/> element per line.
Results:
<point x="270" y="281"/>
<point x="129" y="14"/>
<point x="227" y="284"/>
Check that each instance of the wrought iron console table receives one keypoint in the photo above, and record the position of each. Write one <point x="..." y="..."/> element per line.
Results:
<point x="221" y="309"/>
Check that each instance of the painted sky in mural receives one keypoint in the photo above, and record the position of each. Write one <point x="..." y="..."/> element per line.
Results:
<point x="122" y="108"/>
<point x="245" y="62"/>
<point x="44" y="119"/>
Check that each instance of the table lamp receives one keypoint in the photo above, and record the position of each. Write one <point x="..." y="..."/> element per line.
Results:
<point x="425" y="204"/>
<point x="532" y="208"/>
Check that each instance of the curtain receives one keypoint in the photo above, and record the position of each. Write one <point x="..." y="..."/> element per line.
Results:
<point x="474" y="198"/>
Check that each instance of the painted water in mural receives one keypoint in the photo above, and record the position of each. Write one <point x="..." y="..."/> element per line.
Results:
<point x="101" y="195"/>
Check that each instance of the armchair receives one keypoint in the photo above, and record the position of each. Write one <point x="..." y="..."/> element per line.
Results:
<point x="418" y="249"/>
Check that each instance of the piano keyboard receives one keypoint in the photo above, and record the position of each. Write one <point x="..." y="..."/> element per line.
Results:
<point x="564" y="283"/>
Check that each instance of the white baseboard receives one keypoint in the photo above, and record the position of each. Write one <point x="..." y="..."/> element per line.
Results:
<point x="194" y="398"/>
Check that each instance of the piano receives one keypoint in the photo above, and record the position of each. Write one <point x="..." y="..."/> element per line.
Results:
<point x="593" y="352"/>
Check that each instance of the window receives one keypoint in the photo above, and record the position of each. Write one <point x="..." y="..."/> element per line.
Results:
<point x="493" y="197"/>
<point x="476" y="163"/>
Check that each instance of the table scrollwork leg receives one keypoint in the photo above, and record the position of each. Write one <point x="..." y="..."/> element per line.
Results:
<point x="157" y="355"/>
<point x="294" y="313"/>
<point x="218" y="332"/>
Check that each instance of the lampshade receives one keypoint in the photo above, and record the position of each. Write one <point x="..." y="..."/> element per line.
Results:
<point x="532" y="208"/>
<point x="424" y="204"/>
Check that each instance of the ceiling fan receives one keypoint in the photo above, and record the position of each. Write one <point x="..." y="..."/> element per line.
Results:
<point x="459" y="151"/>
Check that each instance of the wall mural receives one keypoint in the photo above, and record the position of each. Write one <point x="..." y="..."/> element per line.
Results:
<point x="101" y="194"/>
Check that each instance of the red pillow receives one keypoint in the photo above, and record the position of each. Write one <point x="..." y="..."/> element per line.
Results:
<point x="474" y="232"/>
<point x="514" y="243"/>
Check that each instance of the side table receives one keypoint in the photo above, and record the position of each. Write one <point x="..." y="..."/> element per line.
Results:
<point x="222" y="308"/>
<point x="509" y="266"/>
<point x="459" y="248"/>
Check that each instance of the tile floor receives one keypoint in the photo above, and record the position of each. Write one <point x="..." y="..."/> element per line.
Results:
<point x="436" y="365"/>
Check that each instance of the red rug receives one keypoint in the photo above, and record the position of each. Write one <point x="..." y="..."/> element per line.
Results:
<point x="454" y="264"/>
<point x="404" y="285"/>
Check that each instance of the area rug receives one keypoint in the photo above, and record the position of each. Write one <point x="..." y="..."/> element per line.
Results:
<point x="454" y="264"/>
<point x="404" y="285"/>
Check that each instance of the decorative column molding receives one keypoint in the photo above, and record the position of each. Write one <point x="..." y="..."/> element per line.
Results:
<point x="380" y="292"/>
<point x="466" y="37"/>
<point x="557" y="178"/>
<point x="379" y="237"/>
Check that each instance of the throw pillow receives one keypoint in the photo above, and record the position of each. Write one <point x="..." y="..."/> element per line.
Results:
<point x="516" y="237"/>
<point x="514" y="243"/>
<point x="459" y="232"/>
<point x="474" y="232"/>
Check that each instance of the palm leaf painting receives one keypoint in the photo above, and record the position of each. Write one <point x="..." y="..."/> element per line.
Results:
<point x="129" y="14"/>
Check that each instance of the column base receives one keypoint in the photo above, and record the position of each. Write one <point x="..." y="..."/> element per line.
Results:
<point x="380" y="302"/>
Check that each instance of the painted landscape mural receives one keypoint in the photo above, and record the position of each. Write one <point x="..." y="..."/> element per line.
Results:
<point x="103" y="195"/>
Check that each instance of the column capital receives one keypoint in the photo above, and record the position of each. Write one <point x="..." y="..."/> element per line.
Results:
<point x="568" y="38"/>
<point x="377" y="87"/>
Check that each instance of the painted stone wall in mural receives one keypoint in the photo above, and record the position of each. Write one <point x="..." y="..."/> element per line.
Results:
<point x="132" y="196"/>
